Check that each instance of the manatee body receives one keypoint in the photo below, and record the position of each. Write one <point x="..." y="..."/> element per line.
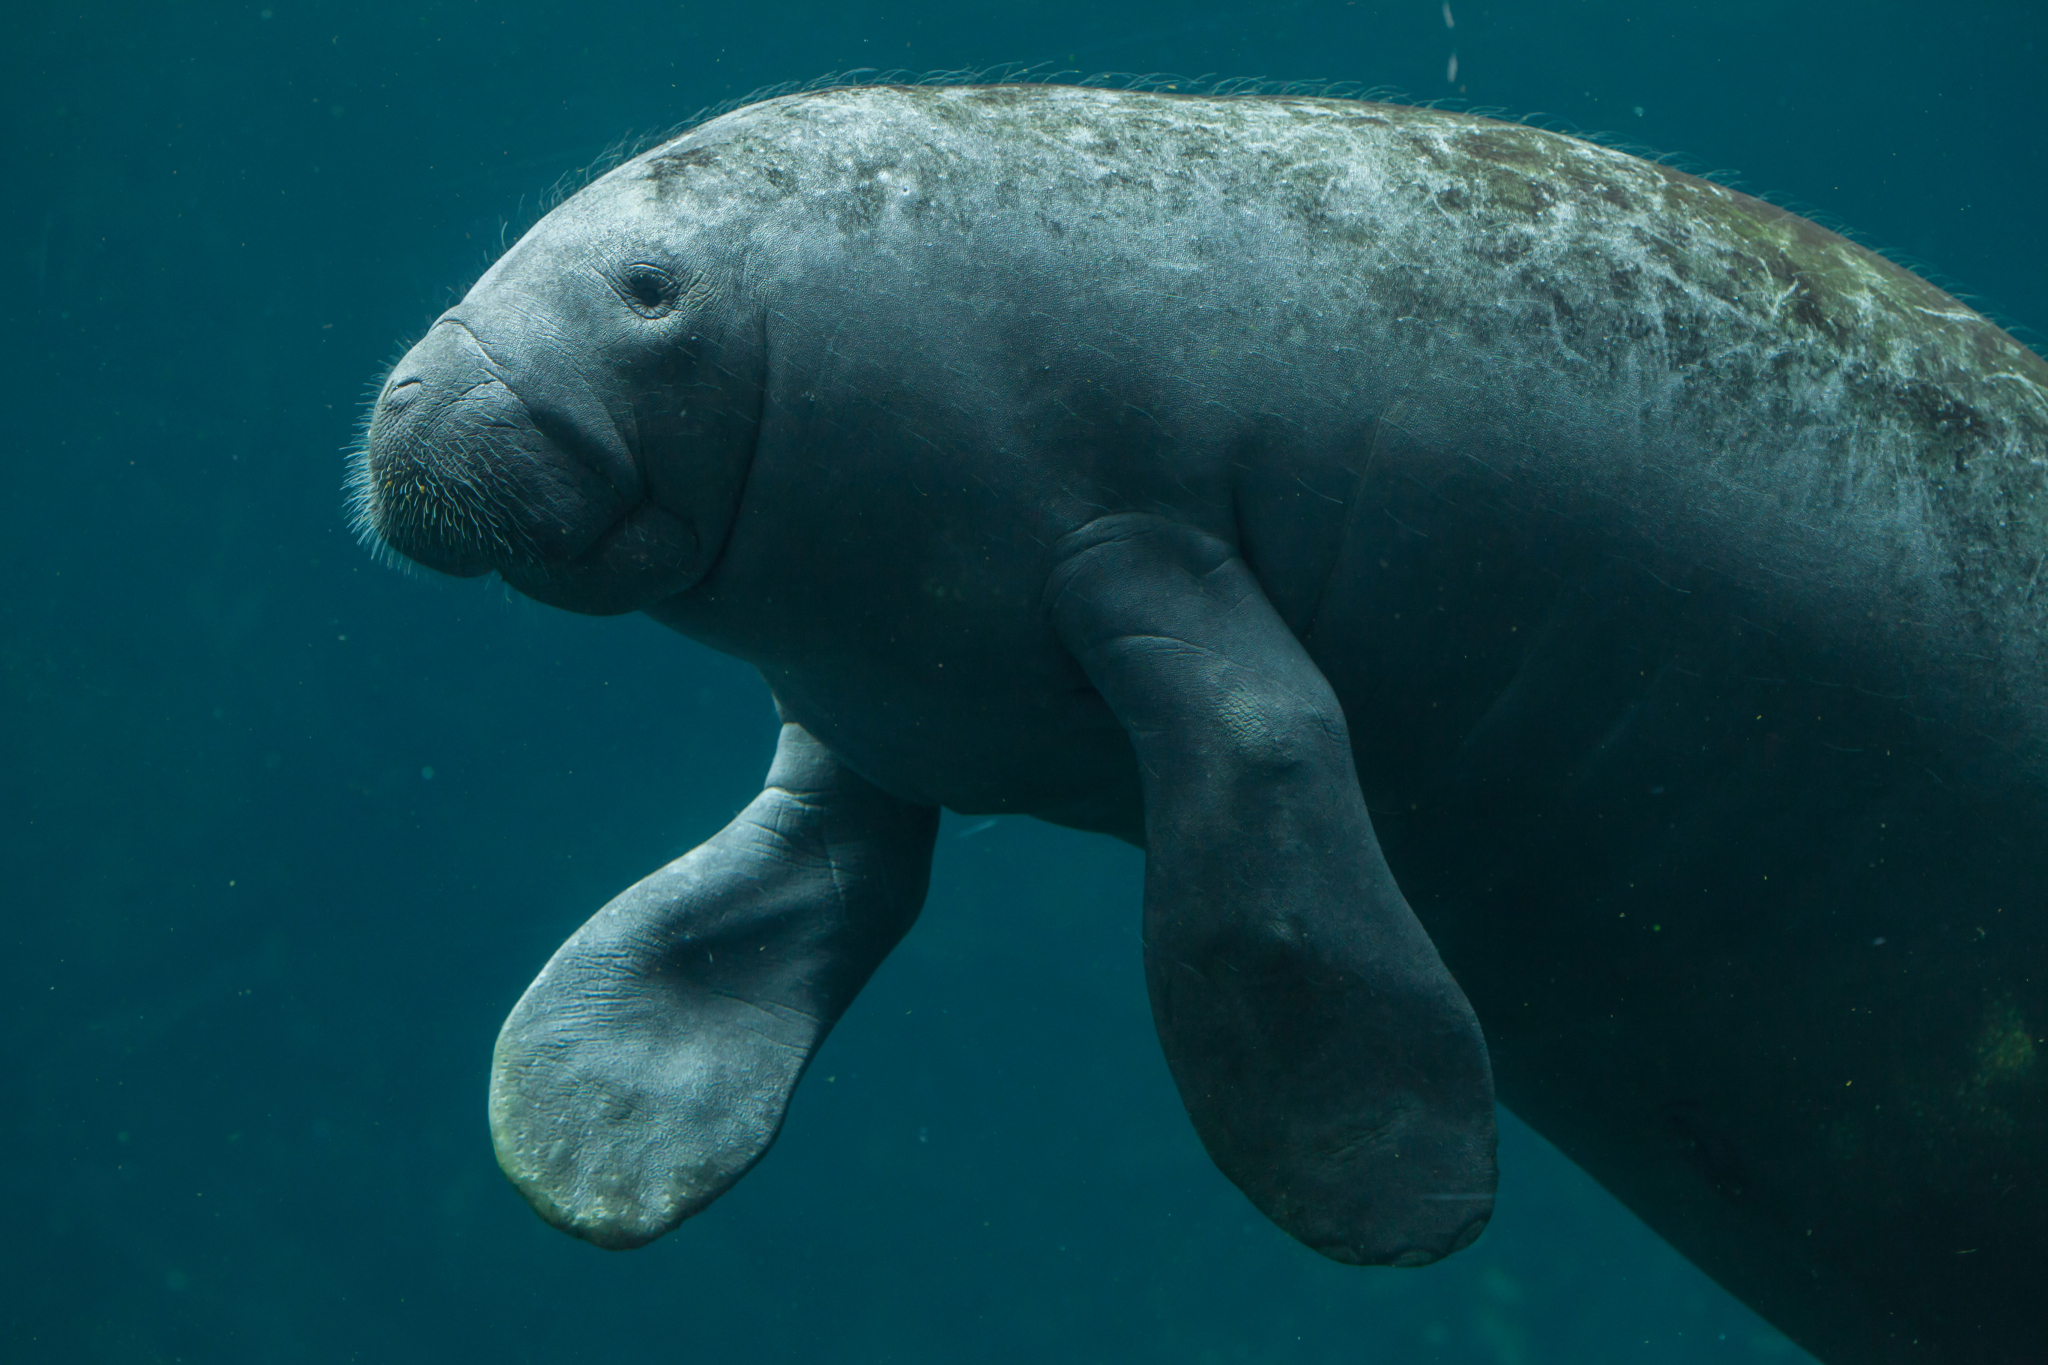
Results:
<point x="1394" y="521"/>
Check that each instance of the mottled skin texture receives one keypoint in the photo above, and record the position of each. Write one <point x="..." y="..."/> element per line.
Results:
<point x="1673" y="562"/>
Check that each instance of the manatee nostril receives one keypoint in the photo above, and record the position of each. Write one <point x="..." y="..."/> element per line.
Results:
<point x="401" y="393"/>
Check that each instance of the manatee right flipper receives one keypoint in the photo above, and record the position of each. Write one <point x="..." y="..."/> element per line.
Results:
<point x="1332" y="1067"/>
<point x="649" y="1065"/>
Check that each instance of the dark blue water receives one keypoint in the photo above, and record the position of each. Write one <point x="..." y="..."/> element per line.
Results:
<point x="286" y="833"/>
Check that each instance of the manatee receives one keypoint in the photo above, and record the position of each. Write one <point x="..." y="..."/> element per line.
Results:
<point x="1498" y="581"/>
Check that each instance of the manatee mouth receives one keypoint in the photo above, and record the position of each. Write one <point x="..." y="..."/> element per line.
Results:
<point x="460" y="472"/>
<point x="438" y="496"/>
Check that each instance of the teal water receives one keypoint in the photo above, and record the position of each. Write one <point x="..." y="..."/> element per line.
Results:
<point x="284" y="833"/>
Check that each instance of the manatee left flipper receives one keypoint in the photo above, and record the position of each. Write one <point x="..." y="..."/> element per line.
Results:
<point x="1332" y="1067"/>
<point x="649" y="1066"/>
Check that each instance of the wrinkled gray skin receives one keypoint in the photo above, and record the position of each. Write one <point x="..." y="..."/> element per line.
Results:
<point x="1657" y="567"/>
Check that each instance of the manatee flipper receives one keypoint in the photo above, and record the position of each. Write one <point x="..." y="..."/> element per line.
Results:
<point x="649" y="1065"/>
<point x="1332" y="1067"/>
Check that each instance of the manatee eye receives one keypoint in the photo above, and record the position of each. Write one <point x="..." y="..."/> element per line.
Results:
<point x="647" y="289"/>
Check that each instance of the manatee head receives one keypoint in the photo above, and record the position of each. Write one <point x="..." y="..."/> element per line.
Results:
<point x="581" y="422"/>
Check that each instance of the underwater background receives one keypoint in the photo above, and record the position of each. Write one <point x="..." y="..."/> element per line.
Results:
<point x="283" y="834"/>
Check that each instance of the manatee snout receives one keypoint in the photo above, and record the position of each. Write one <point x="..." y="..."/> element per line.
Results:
<point x="459" y="475"/>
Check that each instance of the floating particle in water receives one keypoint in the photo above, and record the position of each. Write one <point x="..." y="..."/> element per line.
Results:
<point x="1451" y="71"/>
<point x="1449" y="22"/>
